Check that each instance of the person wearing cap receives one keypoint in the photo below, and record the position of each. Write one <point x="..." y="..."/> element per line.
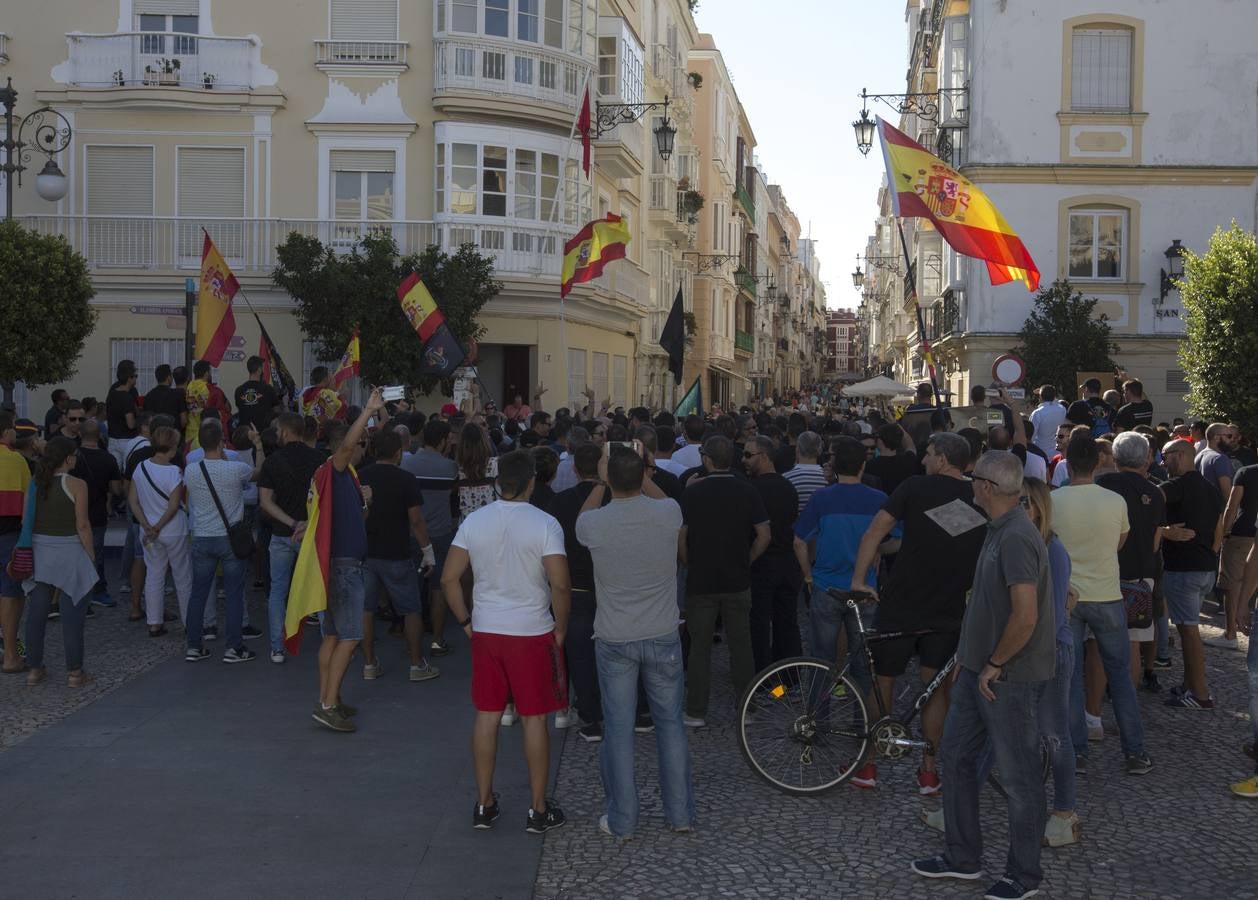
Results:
<point x="448" y="410"/>
<point x="28" y="443"/>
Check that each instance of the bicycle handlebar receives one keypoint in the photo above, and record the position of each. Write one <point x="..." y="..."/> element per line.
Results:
<point x="849" y="596"/>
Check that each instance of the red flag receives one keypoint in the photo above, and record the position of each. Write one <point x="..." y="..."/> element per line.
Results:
<point x="583" y="126"/>
<point x="265" y="356"/>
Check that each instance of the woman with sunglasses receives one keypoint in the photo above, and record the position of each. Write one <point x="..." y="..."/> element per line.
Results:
<point x="1063" y="825"/>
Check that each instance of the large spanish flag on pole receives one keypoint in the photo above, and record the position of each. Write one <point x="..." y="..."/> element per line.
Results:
<point x="924" y="186"/>
<point x="215" y="323"/>
<point x="591" y="248"/>
<point x="350" y="363"/>
<point x="420" y="309"/>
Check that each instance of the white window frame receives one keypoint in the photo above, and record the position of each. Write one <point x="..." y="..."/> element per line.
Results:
<point x="147" y="353"/>
<point x="601" y="384"/>
<point x="630" y="63"/>
<point x="1123" y="242"/>
<point x="228" y="236"/>
<point x="576" y="379"/>
<point x="327" y="192"/>
<point x="1095" y="79"/>
<point x="443" y="19"/>
<point x="397" y="26"/>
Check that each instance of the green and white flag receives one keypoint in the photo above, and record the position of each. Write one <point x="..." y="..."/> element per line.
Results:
<point x="692" y="403"/>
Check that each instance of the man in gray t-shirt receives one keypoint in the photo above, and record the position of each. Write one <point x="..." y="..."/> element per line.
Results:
<point x="1005" y="656"/>
<point x="633" y="544"/>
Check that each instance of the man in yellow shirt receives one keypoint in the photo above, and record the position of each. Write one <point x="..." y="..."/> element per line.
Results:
<point x="1092" y="523"/>
<point x="320" y="400"/>
<point x="15" y="477"/>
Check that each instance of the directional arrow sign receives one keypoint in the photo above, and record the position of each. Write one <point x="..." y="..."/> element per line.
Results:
<point x="234" y="356"/>
<point x="236" y="341"/>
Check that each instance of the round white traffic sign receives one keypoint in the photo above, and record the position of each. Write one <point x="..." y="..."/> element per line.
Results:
<point x="1008" y="370"/>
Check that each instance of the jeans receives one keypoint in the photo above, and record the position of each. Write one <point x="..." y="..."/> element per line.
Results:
<point x="828" y="616"/>
<point x="73" y="615"/>
<point x="1251" y="662"/>
<point x="98" y="550"/>
<point x="657" y="662"/>
<point x="1162" y="636"/>
<point x="701" y="612"/>
<point x="283" y="556"/>
<point x="1108" y="621"/>
<point x="1055" y="725"/>
<point x="1009" y="722"/>
<point x="579" y="647"/>
<point x="208" y="553"/>
<point x="774" y="627"/>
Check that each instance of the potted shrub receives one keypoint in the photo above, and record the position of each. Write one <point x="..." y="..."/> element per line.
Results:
<point x="150" y="75"/>
<point x="208" y="80"/>
<point x="120" y="79"/>
<point x="696" y="80"/>
<point x="691" y="203"/>
<point x="692" y="326"/>
<point x="168" y="71"/>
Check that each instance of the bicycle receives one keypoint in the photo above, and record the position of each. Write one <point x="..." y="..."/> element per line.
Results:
<point x="804" y="726"/>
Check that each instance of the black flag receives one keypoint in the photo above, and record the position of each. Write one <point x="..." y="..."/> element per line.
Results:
<point x="673" y="338"/>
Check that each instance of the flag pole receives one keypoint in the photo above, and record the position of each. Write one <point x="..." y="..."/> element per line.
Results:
<point x="927" y="356"/>
<point x="554" y="217"/>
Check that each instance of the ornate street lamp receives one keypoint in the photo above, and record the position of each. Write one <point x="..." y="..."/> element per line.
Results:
<point x="864" y="128"/>
<point x="609" y="115"/>
<point x="1174" y="267"/>
<point x="858" y="277"/>
<point x="50" y="134"/>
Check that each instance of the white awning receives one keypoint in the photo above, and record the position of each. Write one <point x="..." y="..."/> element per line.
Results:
<point x="725" y="371"/>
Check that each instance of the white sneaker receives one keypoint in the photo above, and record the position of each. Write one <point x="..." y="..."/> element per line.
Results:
<point x="508" y="716"/>
<point x="934" y="819"/>
<point x="563" y="718"/>
<point x="694" y="722"/>
<point x="1221" y="641"/>
<point x="277" y="656"/>
<point x="426" y="672"/>
<point x="1060" y="831"/>
<point x="372" y="671"/>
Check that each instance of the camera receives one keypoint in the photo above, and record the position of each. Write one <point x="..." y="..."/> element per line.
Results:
<point x="394" y="392"/>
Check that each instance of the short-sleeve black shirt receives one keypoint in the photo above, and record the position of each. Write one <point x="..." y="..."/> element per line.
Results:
<point x="1194" y="502"/>
<point x="167" y="401"/>
<point x="565" y="507"/>
<point x="98" y="468"/>
<point x="287" y="472"/>
<point x="1146" y="512"/>
<point x="720" y="512"/>
<point x="781" y="501"/>
<point x="117" y="404"/>
<point x="1246" y="478"/>
<point x="255" y="404"/>
<point x="394" y="492"/>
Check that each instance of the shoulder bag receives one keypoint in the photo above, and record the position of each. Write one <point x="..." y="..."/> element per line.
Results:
<point x="239" y="535"/>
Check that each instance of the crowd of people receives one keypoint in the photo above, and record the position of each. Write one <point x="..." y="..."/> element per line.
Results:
<point x="593" y="557"/>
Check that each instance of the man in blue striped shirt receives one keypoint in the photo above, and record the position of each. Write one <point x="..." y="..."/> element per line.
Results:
<point x="806" y="476"/>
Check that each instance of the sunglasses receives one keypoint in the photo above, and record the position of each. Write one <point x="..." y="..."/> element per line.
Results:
<point x="985" y="480"/>
<point x="74" y="418"/>
<point x="750" y="455"/>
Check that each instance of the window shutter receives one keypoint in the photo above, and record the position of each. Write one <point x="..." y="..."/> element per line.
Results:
<point x="166" y="7"/>
<point x="211" y="182"/>
<point x="1100" y="77"/>
<point x="363" y="160"/>
<point x="364" y="20"/>
<point x="119" y="181"/>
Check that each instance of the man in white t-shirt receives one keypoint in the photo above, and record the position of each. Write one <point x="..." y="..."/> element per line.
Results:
<point x="517" y="552"/>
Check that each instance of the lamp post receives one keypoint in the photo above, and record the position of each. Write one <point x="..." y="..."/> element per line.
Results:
<point x="609" y="115"/>
<point x="1174" y="268"/>
<point x="50" y="134"/>
<point x="926" y="106"/>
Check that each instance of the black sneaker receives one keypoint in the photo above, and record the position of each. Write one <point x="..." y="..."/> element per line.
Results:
<point x="238" y="655"/>
<point x="1009" y="889"/>
<point x="1150" y="683"/>
<point x="195" y="654"/>
<point x="484" y="817"/>
<point x="592" y="733"/>
<point x="1139" y="764"/>
<point x="540" y="823"/>
<point x="54" y="613"/>
<point x="1189" y="700"/>
<point x="210" y="633"/>
<point x="439" y="648"/>
<point x="250" y="633"/>
<point x="939" y="867"/>
<point x="1161" y="663"/>
<point x="642" y="724"/>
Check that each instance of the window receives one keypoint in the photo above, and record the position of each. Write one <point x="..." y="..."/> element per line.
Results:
<point x="620" y="61"/>
<point x="629" y="212"/>
<point x="1100" y="70"/>
<point x="210" y="182"/>
<point x="162" y="16"/>
<point x="534" y="21"/>
<point x="576" y="378"/>
<point x="120" y="187"/>
<point x="599" y="382"/>
<point x="506" y="181"/>
<point x="607" y="67"/>
<point x="462" y="16"/>
<point x="1096" y="243"/>
<point x="364" y="20"/>
<point x="363" y="185"/>
<point x="620" y="380"/>
<point x="147" y="354"/>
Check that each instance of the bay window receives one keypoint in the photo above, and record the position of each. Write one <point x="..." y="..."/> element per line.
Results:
<point x="621" y="61"/>
<point x="543" y="22"/>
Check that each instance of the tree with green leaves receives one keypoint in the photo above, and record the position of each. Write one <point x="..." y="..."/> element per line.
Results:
<point x="336" y="292"/>
<point x="1219" y="291"/>
<point x="45" y="307"/>
<point x="1062" y="337"/>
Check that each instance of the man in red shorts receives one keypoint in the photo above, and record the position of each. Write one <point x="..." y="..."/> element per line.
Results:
<point x="517" y="552"/>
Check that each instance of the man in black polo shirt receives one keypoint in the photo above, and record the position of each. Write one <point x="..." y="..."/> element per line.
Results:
<point x="775" y="576"/>
<point x="283" y="485"/>
<point x="726" y="529"/>
<point x="1136" y="409"/>
<point x="167" y="400"/>
<point x="256" y="401"/>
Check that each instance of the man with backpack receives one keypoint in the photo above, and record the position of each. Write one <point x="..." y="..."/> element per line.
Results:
<point x="1091" y="410"/>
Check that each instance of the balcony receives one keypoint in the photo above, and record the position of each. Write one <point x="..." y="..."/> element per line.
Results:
<point x="665" y="207"/>
<point x="170" y="243"/>
<point x="368" y="54"/>
<point x="484" y="71"/>
<point x="722" y="349"/>
<point x="746" y="281"/>
<point x="745" y="342"/>
<point x="164" y="59"/>
<point x="744" y="198"/>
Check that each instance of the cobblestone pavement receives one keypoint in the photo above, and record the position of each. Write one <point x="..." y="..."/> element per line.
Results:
<point x="1176" y="832"/>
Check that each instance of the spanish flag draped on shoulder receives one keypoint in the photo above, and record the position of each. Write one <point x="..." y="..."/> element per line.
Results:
<point x="308" y="593"/>
<point x="215" y="322"/>
<point x="591" y="248"/>
<point x="923" y="186"/>
<point x="350" y="364"/>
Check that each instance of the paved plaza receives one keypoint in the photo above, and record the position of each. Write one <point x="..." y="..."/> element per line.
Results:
<point x="174" y="779"/>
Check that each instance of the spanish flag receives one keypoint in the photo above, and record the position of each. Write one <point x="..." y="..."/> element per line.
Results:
<point x="308" y="593"/>
<point x="591" y="248"/>
<point x="215" y="323"/>
<point x="350" y="363"/>
<point x="420" y="309"/>
<point x="924" y="186"/>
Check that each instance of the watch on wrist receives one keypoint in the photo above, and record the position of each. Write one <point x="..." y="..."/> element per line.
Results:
<point x="466" y="622"/>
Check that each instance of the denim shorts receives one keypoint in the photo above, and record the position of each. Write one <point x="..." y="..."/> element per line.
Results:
<point x="8" y="587"/>
<point x="398" y="577"/>
<point x="344" y="615"/>
<point x="1184" y="592"/>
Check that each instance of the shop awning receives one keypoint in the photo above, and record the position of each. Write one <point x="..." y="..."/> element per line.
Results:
<point x="725" y="371"/>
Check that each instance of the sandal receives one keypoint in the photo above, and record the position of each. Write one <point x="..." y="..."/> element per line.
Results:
<point x="79" y="679"/>
<point x="158" y="631"/>
<point x="36" y="676"/>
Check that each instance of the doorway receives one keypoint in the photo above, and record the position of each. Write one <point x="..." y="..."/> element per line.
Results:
<point x="515" y="373"/>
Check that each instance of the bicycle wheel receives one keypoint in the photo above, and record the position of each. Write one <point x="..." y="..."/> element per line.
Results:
<point x="803" y="726"/>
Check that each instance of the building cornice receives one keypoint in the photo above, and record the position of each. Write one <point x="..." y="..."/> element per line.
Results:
<point x="1110" y="174"/>
<point x="164" y="98"/>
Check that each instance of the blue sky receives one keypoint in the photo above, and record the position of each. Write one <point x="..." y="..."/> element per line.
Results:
<point x="798" y="67"/>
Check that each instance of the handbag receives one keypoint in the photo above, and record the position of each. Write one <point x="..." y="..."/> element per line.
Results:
<point x="1138" y="598"/>
<point x="240" y="535"/>
<point x="21" y="564"/>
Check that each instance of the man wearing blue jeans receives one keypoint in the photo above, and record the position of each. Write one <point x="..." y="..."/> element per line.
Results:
<point x="1005" y="658"/>
<point x="633" y="542"/>
<point x="283" y="485"/>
